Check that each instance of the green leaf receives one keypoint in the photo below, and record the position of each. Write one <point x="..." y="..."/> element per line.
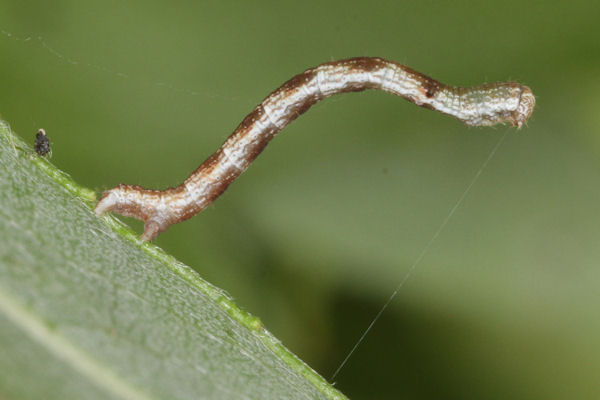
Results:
<point x="88" y="311"/>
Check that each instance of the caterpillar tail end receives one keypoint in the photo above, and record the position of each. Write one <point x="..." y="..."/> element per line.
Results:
<point x="136" y="202"/>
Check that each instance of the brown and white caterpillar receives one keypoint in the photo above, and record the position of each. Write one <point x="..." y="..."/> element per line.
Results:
<point x="483" y="105"/>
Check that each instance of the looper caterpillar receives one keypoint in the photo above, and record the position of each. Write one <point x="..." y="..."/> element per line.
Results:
<point x="483" y="105"/>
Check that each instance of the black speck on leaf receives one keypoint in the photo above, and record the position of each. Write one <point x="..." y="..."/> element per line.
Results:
<point x="42" y="143"/>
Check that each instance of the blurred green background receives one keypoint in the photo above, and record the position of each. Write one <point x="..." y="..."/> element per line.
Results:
<point x="318" y="233"/>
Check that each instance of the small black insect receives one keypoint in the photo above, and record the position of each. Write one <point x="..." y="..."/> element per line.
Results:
<point x="42" y="143"/>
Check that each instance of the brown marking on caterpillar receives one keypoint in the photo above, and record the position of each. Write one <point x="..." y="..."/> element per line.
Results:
<point x="431" y="87"/>
<point x="482" y="105"/>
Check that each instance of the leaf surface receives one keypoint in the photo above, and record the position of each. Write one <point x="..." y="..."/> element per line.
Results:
<point x="89" y="312"/>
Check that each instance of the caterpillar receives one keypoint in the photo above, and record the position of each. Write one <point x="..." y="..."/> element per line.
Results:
<point x="484" y="105"/>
